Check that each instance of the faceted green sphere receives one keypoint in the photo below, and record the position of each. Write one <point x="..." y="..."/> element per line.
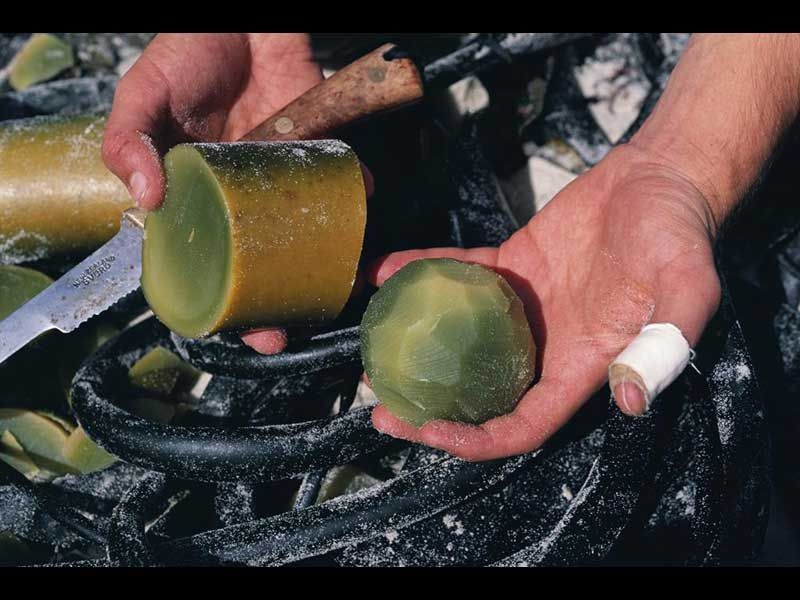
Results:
<point x="448" y="340"/>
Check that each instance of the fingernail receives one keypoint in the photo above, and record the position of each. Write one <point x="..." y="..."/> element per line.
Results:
<point x="138" y="187"/>
<point x="631" y="396"/>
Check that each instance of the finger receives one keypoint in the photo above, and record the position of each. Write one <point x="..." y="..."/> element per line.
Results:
<point x="690" y="313"/>
<point x="267" y="340"/>
<point x="129" y="147"/>
<point x="383" y="268"/>
<point x="387" y="423"/>
<point x="540" y="413"/>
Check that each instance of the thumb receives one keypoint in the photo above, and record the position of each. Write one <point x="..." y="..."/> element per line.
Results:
<point x="131" y="135"/>
<point x="690" y="312"/>
<point x="386" y="266"/>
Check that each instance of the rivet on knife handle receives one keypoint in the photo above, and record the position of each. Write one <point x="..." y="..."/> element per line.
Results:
<point x="364" y="88"/>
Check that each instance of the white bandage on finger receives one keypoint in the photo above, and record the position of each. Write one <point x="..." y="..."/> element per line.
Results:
<point x="652" y="361"/>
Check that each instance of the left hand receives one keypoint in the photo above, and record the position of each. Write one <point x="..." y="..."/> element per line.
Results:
<point x="204" y="88"/>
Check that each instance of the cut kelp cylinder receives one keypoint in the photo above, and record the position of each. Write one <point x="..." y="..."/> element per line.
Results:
<point x="17" y="286"/>
<point x="444" y="339"/>
<point x="56" y="195"/>
<point x="41" y="58"/>
<point x="254" y="233"/>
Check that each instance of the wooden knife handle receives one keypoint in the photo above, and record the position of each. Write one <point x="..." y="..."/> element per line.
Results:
<point x="363" y="88"/>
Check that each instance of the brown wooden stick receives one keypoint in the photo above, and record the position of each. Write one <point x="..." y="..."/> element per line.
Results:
<point x="364" y="88"/>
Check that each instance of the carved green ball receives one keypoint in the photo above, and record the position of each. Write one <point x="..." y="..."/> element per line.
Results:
<point x="443" y="339"/>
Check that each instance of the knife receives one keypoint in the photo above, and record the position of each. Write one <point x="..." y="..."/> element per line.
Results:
<point x="94" y="285"/>
<point x="385" y="79"/>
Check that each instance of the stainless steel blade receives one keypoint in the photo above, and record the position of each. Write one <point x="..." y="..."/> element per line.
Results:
<point x="89" y="288"/>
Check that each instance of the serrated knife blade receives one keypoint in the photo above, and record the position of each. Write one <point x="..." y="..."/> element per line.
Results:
<point x="92" y="286"/>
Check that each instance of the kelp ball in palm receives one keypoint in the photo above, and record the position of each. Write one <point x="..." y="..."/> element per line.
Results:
<point x="448" y="340"/>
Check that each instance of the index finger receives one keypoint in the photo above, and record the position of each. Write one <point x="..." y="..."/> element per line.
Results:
<point x="538" y="416"/>
<point x="386" y="266"/>
<point x="140" y="104"/>
<point x="542" y="411"/>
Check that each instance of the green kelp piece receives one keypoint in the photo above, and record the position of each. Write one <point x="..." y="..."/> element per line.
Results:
<point x="43" y="445"/>
<point x="13" y="454"/>
<point x="41" y="438"/>
<point x="344" y="480"/>
<point x="41" y="58"/>
<point x="62" y="422"/>
<point x="84" y="455"/>
<point x="162" y="372"/>
<point x="448" y="340"/>
<point x="18" y="285"/>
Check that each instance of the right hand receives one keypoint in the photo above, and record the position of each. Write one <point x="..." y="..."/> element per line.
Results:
<point x="627" y="243"/>
<point x="203" y="88"/>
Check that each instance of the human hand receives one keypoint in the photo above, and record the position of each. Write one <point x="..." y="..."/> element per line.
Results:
<point x="627" y="243"/>
<point x="199" y="87"/>
<point x="203" y="87"/>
